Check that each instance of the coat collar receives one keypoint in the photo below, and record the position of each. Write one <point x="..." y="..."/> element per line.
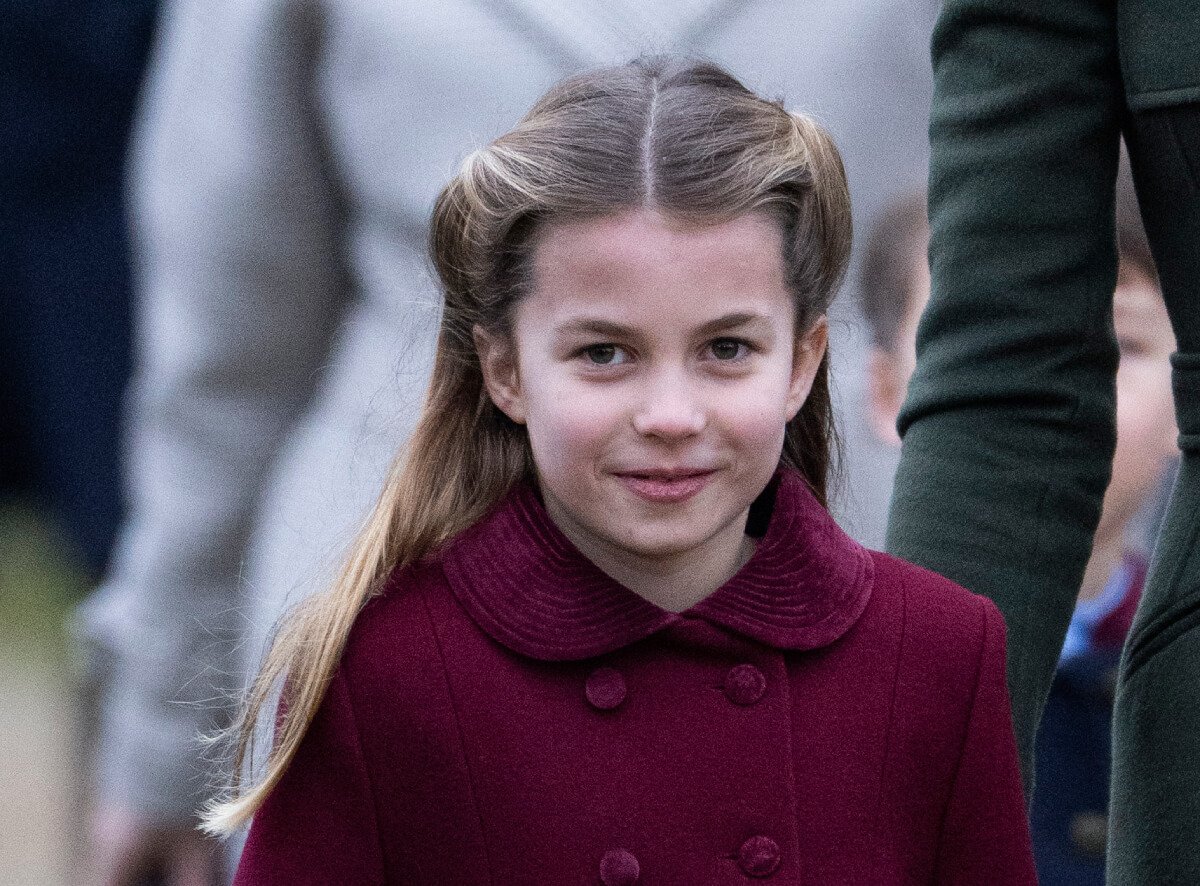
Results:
<point x="530" y="589"/>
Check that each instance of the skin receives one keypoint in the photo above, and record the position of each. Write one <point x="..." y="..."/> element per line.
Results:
<point x="1146" y="429"/>
<point x="655" y="367"/>
<point x="125" y="849"/>
<point x="888" y="371"/>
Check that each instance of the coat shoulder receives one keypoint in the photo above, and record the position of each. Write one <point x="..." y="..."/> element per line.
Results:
<point x="949" y="639"/>
<point x="943" y="621"/>
<point x="394" y="641"/>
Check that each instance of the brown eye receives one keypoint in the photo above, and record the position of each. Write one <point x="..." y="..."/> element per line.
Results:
<point x="728" y="349"/>
<point x="605" y="355"/>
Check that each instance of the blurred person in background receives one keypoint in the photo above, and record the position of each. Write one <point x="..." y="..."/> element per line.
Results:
<point x="1073" y="749"/>
<point x="1010" y="423"/>
<point x="287" y="160"/>
<point x="69" y="74"/>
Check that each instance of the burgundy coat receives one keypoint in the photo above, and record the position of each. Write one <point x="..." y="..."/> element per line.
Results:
<point x="507" y="714"/>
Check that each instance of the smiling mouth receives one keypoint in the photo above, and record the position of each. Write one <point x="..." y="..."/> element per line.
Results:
<point x="666" y="486"/>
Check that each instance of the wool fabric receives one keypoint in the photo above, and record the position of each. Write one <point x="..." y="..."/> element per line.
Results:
<point x="506" y="713"/>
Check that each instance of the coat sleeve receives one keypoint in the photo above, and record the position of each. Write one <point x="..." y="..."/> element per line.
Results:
<point x="1009" y="425"/>
<point x="318" y="826"/>
<point x="239" y="290"/>
<point x="985" y="832"/>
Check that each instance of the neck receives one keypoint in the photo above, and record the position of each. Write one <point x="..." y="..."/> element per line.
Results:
<point x="680" y="583"/>
<point x="675" y="582"/>
<point x="1107" y="552"/>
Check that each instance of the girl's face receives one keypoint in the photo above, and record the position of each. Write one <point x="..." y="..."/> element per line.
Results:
<point x="655" y="367"/>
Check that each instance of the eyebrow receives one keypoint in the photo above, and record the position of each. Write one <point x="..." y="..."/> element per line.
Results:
<point x="734" y="321"/>
<point x="726" y="323"/>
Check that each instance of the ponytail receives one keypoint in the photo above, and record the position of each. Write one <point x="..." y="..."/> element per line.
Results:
<point x="821" y="233"/>
<point x="810" y="443"/>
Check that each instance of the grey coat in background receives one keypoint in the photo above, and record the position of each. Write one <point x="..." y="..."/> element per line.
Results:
<point x="287" y="159"/>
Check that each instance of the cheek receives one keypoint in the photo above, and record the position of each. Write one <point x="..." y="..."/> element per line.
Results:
<point x="754" y="415"/>
<point x="568" y="427"/>
<point x="1145" y="431"/>
<point x="558" y="422"/>
<point x="1145" y="410"/>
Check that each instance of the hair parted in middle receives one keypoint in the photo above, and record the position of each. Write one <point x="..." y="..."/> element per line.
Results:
<point x="681" y="137"/>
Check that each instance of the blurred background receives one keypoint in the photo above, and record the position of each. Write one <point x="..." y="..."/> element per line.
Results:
<point x="69" y="77"/>
<point x="215" y="326"/>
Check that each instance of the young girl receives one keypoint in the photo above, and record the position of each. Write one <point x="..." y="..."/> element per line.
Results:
<point x="601" y="627"/>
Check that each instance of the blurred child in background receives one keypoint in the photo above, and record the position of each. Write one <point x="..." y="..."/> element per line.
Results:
<point x="1070" y="804"/>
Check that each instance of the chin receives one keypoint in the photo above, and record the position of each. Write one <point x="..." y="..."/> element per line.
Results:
<point x="658" y="543"/>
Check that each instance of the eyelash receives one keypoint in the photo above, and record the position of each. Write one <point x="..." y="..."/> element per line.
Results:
<point x="744" y="346"/>
<point x="591" y="349"/>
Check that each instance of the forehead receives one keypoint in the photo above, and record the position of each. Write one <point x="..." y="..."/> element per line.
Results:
<point x="640" y="259"/>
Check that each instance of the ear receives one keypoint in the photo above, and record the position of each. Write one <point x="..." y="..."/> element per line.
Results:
<point x="498" y="362"/>
<point x="1172" y="442"/>
<point x="884" y="396"/>
<point x="806" y="360"/>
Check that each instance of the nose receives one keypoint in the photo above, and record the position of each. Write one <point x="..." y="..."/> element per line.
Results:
<point x="670" y="409"/>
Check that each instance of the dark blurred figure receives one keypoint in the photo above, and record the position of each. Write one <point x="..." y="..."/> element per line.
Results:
<point x="69" y="74"/>
<point x="1011" y="419"/>
<point x="1073" y="752"/>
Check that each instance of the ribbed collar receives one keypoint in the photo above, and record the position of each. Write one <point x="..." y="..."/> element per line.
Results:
<point x="530" y="589"/>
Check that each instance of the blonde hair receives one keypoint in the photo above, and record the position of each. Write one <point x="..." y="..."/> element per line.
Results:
<point x="682" y="137"/>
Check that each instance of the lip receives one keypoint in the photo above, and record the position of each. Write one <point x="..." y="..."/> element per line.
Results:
<point x="666" y="486"/>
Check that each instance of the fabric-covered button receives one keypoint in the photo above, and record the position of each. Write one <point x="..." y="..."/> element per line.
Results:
<point x="745" y="684"/>
<point x="759" y="857"/>
<point x="618" y="867"/>
<point x="605" y="689"/>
